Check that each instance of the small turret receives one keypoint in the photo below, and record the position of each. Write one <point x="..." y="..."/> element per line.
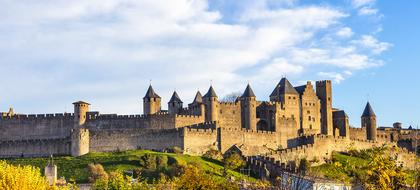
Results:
<point x="369" y="122"/>
<point x="249" y="109"/>
<point x="197" y="105"/>
<point x="211" y="105"/>
<point x="175" y="104"/>
<point x="151" y="102"/>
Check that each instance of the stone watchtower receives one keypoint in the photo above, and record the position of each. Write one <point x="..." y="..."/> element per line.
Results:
<point x="175" y="104"/>
<point x="151" y="102"/>
<point x="211" y="103"/>
<point x="79" y="134"/>
<point x="249" y="109"/>
<point x="324" y="93"/>
<point x="369" y="122"/>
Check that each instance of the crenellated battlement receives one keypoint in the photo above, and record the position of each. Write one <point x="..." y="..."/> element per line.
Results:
<point x="38" y="116"/>
<point x="188" y="116"/>
<point x="230" y="103"/>
<point x="248" y="130"/>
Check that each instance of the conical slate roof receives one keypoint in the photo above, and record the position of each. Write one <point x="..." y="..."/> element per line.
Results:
<point x="175" y="98"/>
<point x="248" y="92"/>
<point x="151" y="93"/>
<point x="210" y="93"/>
<point x="368" y="112"/>
<point x="284" y="87"/>
<point x="198" y="98"/>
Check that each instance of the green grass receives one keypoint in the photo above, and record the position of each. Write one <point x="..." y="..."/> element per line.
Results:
<point x="74" y="168"/>
<point x="342" y="168"/>
<point x="345" y="168"/>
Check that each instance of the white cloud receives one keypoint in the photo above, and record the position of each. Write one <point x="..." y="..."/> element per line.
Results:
<point x="103" y="50"/>
<point x="280" y="66"/>
<point x="373" y="44"/>
<point x="336" y="77"/>
<point x="345" y="32"/>
<point x="360" y="3"/>
<point x="368" y="11"/>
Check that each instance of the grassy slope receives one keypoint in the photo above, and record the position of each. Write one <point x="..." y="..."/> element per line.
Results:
<point x="75" y="167"/>
<point x="344" y="168"/>
<point x="336" y="171"/>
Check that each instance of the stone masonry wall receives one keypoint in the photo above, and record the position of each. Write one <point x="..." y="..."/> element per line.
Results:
<point x="41" y="126"/>
<point x="230" y="115"/>
<point x="34" y="148"/>
<point x="132" y="139"/>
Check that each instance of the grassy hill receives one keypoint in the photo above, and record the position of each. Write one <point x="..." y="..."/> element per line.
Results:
<point x="74" y="168"/>
<point x="346" y="168"/>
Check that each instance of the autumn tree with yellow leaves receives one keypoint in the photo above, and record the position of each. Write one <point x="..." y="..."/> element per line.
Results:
<point x="23" y="178"/>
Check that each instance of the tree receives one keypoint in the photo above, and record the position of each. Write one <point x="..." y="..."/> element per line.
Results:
<point x="382" y="171"/>
<point x="96" y="171"/>
<point x="232" y="97"/>
<point x="23" y="178"/>
<point x="233" y="161"/>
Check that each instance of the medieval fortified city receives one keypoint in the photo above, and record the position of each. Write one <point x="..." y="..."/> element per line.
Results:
<point x="209" y="95"/>
<point x="299" y="122"/>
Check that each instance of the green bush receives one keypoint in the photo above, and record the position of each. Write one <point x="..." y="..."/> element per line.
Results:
<point x="213" y="154"/>
<point x="148" y="161"/>
<point x="162" y="161"/>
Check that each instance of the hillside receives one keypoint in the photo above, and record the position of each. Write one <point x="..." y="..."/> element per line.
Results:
<point x="74" y="168"/>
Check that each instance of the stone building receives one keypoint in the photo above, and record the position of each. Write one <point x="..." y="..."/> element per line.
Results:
<point x="294" y="117"/>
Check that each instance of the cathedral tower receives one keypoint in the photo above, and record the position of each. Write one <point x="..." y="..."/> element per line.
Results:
<point x="151" y="102"/>
<point x="175" y="104"/>
<point x="249" y="109"/>
<point x="369" y="122"/>
<point x="211" y="103"/>
<point x="324" y="93"/>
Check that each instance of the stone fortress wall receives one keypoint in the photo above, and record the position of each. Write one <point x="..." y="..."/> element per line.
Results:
<point x="291" y="125"/>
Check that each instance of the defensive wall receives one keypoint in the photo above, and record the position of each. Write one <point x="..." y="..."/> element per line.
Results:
<point x="34" y="147"/>
<point x="323" y="146"/>
<point x="40" y="126"/>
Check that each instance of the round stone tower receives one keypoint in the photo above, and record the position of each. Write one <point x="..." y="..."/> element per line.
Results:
<point x="79" y="134"/>
<point x="249" y="109"/>
<point x="369" y="122"/>
<point x="80" y="110"/>
<point x="211" y="105"/>
<point x="151" y="102"/>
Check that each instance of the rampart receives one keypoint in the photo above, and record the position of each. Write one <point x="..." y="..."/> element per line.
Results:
<point x="132" y="139"/>
<point x="34" y="147"/>
<point x="39" y="126"/>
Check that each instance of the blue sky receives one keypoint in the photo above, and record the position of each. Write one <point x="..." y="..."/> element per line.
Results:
<point x="105" y="52"/>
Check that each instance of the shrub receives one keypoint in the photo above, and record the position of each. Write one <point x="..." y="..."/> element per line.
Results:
<point x="213" y="154"/>
<point x="148" y="161"/>
<point x="233" y="161"/>
<point x="96" y="171"/>
<point x="162" y="161"/>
